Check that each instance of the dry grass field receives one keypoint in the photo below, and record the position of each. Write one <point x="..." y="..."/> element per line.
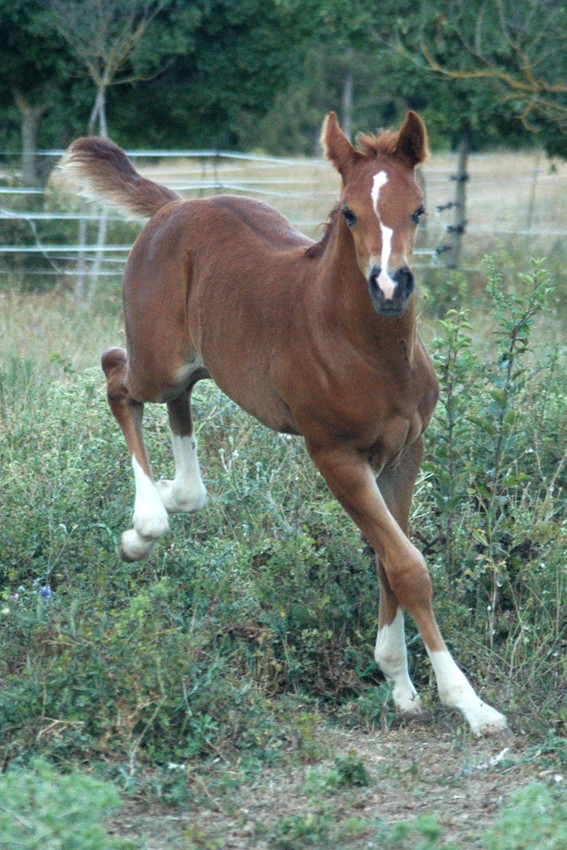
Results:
<point x="510" y="195"/>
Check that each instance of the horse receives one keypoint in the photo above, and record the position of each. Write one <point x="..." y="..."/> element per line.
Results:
<point x="313" y="338"/>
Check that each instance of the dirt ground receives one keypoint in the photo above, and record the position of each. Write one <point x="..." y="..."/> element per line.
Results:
<point x="414" y="770"/>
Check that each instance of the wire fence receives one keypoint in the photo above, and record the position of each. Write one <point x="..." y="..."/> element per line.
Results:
<point x="516" y="197"/>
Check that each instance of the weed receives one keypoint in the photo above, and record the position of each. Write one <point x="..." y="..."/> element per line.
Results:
<point x="295" y="831"/>
<point x="490" y="499"/>
<point x="534" y="819"/>
<point x="40" y="808"/>
<point x="351" y="771"/>
<point x="253" y="611"/>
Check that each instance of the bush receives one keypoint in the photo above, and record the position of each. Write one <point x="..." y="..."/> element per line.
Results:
<point x="270" y="590"/>
<point x="42" y="809"/>
<point x="489" y="507"/>
<point x="534" y="819"/>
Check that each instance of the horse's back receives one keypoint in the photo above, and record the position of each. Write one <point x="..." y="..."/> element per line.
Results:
<point x="261" y="221"/>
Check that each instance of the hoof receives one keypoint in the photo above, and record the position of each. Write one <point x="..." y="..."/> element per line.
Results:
<point x="177" y="499"/>
<point x="494" y="730"/>
<point x="488" y="723"/>
<point x="409" y="708"/>
<point x="134" y="547"/>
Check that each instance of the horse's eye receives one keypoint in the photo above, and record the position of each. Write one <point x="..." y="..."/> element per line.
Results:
<point x="418" y="214"/>
<point x="349" y="216"/>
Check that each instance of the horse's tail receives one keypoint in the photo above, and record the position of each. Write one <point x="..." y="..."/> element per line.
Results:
<point x="102" y="170"/>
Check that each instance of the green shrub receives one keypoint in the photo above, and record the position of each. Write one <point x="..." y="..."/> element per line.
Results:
<point x="269" y="591"/>
<point x="351" y="771"/>
<point x="42" y="809"/>
<point x="489" y="512"/>
<point x="534" y="819"/>
<point x="295" y="831"/>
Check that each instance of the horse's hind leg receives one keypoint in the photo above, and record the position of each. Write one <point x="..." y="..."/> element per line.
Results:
<point x="186" y="492"/>
<point x="150" y="516"/>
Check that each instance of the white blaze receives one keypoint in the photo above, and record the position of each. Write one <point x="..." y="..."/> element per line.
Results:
<point x="385" y="282"/>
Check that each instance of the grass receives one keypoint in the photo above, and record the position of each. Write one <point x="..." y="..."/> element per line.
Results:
<point x="250" y="627"/>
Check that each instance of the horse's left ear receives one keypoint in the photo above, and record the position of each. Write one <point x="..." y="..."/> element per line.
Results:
<point x="412" y="141"/>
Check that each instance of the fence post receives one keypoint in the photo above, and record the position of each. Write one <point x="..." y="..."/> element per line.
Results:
<point x="457" y="229"/>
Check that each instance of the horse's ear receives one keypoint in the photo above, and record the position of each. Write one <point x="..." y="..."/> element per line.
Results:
<point x="336" y="146"/>
<point x="412" y="141"/>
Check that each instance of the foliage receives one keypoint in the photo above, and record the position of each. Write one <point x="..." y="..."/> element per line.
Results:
<point x="270" y="594"/>
<point x="196" y="68"/>
<point x="496" y="472"/>
<point x="41" y="808"/>
<point x="204" y="73"/>
<point x="517" y="51"/>
<point x="534" y="819"/>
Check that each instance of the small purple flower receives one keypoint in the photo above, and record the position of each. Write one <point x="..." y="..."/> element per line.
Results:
<point x="45" y="592"/>
<point x="14" y="597"/>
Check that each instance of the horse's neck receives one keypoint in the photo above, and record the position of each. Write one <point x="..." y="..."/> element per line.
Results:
<point x="345" y="297"/>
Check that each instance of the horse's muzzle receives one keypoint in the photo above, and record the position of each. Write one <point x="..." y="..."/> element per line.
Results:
<point x="396" y="303"/>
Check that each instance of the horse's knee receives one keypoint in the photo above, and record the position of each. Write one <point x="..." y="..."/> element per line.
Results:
<point x="410" y="581"/>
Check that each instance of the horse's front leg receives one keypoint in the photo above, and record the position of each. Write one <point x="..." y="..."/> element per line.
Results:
<point x="351" y="479"/>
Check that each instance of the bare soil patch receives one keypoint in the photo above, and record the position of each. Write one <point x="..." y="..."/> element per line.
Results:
<point x="414" y="770"/>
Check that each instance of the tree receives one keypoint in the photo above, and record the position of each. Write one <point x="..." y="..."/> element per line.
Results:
<point x="225" y="59"/>
<point x="35" y="75"/>
<point x="102" y="35"/>
<point x="518" y="50"/>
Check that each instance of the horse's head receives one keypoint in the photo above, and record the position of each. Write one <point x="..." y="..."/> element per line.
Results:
<point x="381" y="205"/>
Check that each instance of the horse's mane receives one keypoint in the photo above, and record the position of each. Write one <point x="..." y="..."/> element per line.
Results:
<point x="318" y="248"/>
<point x="370" y="146"/>
<point x="367" y="145"/>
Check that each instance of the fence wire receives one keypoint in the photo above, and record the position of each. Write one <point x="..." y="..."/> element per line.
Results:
<point x="514" y="196"/>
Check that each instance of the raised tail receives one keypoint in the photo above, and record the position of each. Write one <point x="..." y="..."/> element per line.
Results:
<point x="101" y="170"/>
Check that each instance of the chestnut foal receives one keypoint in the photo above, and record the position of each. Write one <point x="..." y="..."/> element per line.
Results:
<point x="315" y="339"/>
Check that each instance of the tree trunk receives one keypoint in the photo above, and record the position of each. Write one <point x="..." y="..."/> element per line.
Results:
<point x="98" y="113"/>
<point x="81" y="257"/>
<point x="348" y="85"/>
<point x="31" y="121"/>
<point x="84" y="294"/>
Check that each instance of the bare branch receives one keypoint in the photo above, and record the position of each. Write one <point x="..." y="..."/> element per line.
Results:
<point x="103" y="34"/>
<point x="521" y="47"/>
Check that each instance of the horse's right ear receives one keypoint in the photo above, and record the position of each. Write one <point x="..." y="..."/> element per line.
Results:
<point x="336" y="146"/>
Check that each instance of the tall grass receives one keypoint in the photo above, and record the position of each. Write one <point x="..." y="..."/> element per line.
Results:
<point x="268" y="598"/>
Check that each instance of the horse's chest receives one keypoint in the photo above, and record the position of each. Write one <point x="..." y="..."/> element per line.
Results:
<point x="391" y="415"/>
<point x="394" y="436"/>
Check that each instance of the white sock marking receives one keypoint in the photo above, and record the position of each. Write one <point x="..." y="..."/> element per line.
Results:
<point x="150" y="516"/>
<point x="385" y="282"/>
<point x="391" y="656"/>
<point x="456" y="691"/>
<point x="186" y="492"/>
